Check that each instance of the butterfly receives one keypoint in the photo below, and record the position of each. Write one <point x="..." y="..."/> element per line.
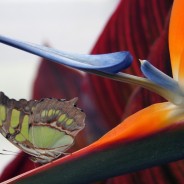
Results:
<point x="44" y="128"/>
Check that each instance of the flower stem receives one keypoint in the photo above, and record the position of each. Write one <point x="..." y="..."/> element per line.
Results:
<point x="143" y="82"/>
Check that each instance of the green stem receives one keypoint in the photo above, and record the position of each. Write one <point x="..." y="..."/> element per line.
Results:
<point x="143" y="82"/>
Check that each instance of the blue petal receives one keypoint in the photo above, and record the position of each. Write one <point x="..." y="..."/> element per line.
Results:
<point x="158" y="77"/>
<point x="108" y="63"/>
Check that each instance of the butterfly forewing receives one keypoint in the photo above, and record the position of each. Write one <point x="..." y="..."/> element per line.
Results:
<point x="44" y="129"/>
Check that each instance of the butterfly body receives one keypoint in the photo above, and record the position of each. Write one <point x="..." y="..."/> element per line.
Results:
<point x="44" y="129"/>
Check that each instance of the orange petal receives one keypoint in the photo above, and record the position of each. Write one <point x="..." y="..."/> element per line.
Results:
<point x="147" y="121"/>
<point x="176" y="36"/>
<point x="181" y="71"/>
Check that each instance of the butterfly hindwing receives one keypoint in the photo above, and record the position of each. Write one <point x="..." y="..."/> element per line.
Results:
<point x="44" y="129"/>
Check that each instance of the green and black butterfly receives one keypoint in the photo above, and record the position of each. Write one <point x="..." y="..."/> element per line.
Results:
<point x="45" y="129"/>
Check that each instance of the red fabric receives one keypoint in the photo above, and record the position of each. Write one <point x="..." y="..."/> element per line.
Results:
<point x="57" y="81"/>
<point x="139" y="26"/>
<point x="19" y="165"/>
<point x="134" y="26"/>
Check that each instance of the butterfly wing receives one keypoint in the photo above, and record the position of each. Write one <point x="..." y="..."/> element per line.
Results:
<point x="55" y="124"/>
<point x="44" y="129"/>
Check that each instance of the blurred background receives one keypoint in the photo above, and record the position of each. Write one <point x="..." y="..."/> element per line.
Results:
<point x="70" y="25"/>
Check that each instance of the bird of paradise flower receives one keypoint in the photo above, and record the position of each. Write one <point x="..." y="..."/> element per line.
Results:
<point x="146" y="121"/>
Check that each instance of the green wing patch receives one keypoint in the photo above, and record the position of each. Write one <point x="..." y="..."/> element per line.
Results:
<point x="44" y="129"/>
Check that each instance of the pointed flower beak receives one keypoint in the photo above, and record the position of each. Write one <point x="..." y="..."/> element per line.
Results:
<point x="143" y="123"/>
<point x="108" y="63"/>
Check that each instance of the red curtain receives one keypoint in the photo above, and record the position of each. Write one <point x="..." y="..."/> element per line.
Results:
<point x="141" y="27"/>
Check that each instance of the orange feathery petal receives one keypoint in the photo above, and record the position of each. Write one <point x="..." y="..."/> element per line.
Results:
<point x="176" y="36"/>
<point x="147" y="121"/>
<point x="181" y="71"/>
